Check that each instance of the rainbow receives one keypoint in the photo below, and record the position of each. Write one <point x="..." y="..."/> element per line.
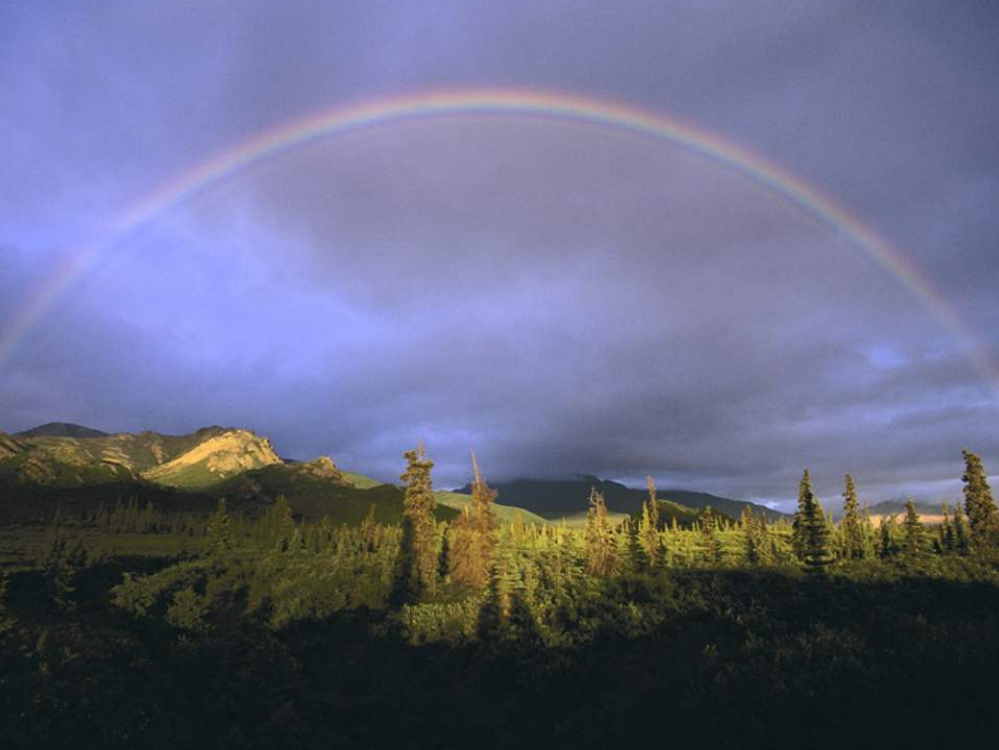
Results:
<point x="555" y="106"/>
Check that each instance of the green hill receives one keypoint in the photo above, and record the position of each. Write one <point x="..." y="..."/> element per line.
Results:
<point x="360" y="481"/>
<point x="505" y="513"/>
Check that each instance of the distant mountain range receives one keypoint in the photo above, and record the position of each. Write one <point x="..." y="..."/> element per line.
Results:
<point x="557" y="498"/>
<point x="73" y="466"/>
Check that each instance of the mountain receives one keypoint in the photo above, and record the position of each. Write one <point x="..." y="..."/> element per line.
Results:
<point x="62" y="429"/>
<point x="556" y="498"/>
<point x="215" y="458"/>
<point x="199" y="459"/>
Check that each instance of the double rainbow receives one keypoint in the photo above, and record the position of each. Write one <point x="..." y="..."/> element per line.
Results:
<point x="552" y="106"/>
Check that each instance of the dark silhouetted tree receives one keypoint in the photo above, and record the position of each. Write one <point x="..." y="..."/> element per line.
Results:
<point x="946" y="530"/>
<point x="854" y="541"/>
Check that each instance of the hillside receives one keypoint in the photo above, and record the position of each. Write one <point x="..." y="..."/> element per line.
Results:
<point x="504" y="513"/>
<point x="554" y="499"/>
<point x="671" y="513"/>
<point x="313" y="491"/>
<point x="9" y="446"/>
<point x="453" y="499"/>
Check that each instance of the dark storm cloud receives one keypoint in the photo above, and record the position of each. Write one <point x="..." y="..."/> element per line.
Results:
<point x="564" y="299"/>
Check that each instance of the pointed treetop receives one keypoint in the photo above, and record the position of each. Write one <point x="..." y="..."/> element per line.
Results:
<point x="477" y="481"/>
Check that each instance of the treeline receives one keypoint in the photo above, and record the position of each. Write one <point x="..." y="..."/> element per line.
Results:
<point x="475" y="578"/>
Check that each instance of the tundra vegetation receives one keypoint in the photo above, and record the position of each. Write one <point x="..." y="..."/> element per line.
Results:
<point x="237" y="630"/>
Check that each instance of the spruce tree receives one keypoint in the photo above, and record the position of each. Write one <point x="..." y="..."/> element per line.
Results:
<point x="279" y="526"/>
<point x="473" y="536"/>
<point x="626" y="551"/>
<point x="798" y="536"/>
<point x="709" y="536"/>
<point x="648" y="529"/>
<point x="983" y="518"/>
<point x="59" y="570"/>
<point x="220" y="539"/>
<point x="886" y="537"/>
<point x="461" y="538"/>
<point x="484" y="523"/>
<point x="417" y="571"/>
<point x="753" y="536"/>
<point x="811" y="533"/>
<point x="946" y="530"/>
<point x="961" y="543"/>
<point x="600" y="552"/>
<point x="850" y="527"/>
<point x="913" y="531"/>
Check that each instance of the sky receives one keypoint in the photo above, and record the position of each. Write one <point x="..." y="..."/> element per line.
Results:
<point x="561" y="297"/>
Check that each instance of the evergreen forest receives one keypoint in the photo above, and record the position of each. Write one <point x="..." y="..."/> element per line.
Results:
<point x="132" y="625"/>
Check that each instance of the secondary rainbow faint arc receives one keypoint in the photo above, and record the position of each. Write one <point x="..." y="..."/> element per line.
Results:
<point x="549" y="105"/>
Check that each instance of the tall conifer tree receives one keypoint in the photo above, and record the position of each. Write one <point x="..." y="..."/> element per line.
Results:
<point x="851" y="528"/>
<point x="811" y="533"/>
<point x="946" y="530"/>
<point x="913" y="531"/>
<point x="473" y="534"/>
<point x="600" y="552"/>
<point x="983" y="518"/>
<point x="418" y="561"/>
<point x="886" y="537"/>
<point x="752" y="544"/>
<point x="648" y="529"/>
<point x="709" y="536"/>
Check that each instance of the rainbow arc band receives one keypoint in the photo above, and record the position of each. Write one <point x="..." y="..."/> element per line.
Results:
<point x="549" y="105"/>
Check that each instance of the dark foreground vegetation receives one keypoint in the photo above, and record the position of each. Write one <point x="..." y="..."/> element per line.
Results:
<point x="271" y="633"/>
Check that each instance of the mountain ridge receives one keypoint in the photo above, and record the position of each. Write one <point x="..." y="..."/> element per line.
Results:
<point x="554" y="498"/>
<point x="62" y="429"/>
